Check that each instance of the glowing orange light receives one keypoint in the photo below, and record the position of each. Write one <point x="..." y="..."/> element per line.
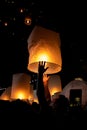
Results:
<point x="28" y="21"/>
<point x="54" y="84"/>
<point x="44" y="45"/>
<point x="20" y="95"/>
<point x="42" y="57"/>
<point x="5" y="97"/>
<point x="54" y="90"/>
<point x="36" y="100"/>
<point x="20" y="86"/>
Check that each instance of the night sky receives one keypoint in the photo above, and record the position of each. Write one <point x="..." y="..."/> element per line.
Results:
<point x="69" y="19"/>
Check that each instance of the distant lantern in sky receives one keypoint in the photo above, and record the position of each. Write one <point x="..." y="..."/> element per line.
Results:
<point x="21" y="88"/>
<point x="44" y="45"/>
<point x="28" y="20"/>
<point x="5" y="24"/>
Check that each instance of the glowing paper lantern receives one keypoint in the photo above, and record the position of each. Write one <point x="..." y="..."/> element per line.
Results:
<point x="6" y="94"/>
<point x="44" y="45"/>
<point x="28" y="21"/>
<point x="21" y="88"/>
<point x="54" y="84"/>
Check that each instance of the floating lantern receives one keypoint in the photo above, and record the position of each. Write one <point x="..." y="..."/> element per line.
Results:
<point x="27" y="20"/>
<point x="55" y="85"/>
<point x="44" y="45"/>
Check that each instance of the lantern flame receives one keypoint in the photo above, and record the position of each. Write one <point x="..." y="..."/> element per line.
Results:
<point x="43" y="57"/>
<point x="20" y="95"/>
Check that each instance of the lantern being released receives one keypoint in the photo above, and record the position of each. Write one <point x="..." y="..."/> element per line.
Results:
<point x="44" y="45"/>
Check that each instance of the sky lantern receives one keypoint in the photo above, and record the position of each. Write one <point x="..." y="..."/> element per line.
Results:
<point x="21" y="88"/>
<point x="55" y="85"/>
<point x="44" y="45"/>
<point x="6" y="94"/>
<point x="28" y="20"/>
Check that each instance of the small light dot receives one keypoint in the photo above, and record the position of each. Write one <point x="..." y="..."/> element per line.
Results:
<point x="6" y="24"/>
<point x="21" y="10"/>
<point x="28" y="21"/>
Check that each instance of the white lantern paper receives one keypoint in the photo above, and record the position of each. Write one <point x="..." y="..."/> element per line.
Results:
<point x="44" y="45"/>
<point x="21" y="88"/>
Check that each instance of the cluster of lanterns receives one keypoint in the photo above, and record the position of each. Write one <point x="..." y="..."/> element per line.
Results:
<point x="43" y="45"/>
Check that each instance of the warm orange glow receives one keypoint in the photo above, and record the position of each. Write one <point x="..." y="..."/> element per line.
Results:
<point x="54" y="84"/>
<point x="20" y="95"/>
<point x="44" y="45"/>
<point x="5" y="97"/>
<point x="45" y="78"/>
<point x="42" y="57"/>
<point x="36" y="100"/>
<point x="54" y="90"/>
<point x="28" y="21"/>
<point x="6" y="94"/>
<point x="20" y="86"/>
<point x="31" y="100"/>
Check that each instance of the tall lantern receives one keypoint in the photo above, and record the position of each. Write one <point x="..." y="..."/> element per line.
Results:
<point x="44" y="45"/>
<point x="55" y="85"/>
<point x="21" y="88"/>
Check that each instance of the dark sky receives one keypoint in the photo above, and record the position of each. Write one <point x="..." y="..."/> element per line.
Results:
<point x="69" y="19"/>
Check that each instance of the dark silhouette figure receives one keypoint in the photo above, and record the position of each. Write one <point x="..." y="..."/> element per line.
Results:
<point x="42" y="91"/>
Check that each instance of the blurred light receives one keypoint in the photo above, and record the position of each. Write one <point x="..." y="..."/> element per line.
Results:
<point x="21" y="10"/>
<point x="28" y="21"/>
<point x="6" y="24"/>
<point x="20" y="95"/>
<point x="6" y="94"/>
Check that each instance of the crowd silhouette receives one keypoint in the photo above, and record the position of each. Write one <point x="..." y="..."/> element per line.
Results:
<point x="45" y="114"/>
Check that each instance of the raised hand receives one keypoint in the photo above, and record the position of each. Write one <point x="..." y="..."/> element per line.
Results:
<point x="45" y="78"/>
<point x="41" y="67"/>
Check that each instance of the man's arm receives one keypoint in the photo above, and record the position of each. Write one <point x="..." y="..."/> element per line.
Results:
<point x="40" y="86"/>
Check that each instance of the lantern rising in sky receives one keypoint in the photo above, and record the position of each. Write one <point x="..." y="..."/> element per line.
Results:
<point x="44" y="45"/>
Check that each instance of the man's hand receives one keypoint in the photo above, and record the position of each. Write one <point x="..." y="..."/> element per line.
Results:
<point x="45" y="78"/>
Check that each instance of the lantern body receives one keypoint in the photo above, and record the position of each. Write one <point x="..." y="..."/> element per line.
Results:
<point x="54" y="84"/>
<point x="6" y="94"/>
<point x="21" y="88"/>
<point x="44" y="45"/>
